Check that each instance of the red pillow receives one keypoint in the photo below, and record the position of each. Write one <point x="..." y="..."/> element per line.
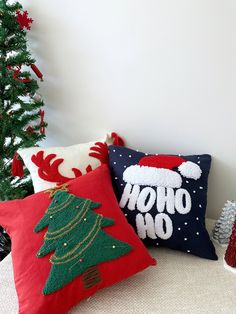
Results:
<point x="20" y="217"/>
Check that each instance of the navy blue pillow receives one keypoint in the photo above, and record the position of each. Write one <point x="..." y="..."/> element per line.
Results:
<point x="164" y="197"/>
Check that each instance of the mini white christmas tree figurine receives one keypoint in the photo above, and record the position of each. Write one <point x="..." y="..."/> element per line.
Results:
<point x="224" y="225"/>
<point x="230" y="255"/>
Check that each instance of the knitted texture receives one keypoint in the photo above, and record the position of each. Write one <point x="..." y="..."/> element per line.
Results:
<point x="230" y="255"/>
<point x="224" y="225"/>
<point x="76" y="237"/>
<point x="53" y="191"/>
<point x="164" y="197"/>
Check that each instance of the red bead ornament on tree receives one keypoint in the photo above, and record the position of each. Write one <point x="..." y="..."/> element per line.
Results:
<point x="230" y="255"/>
<point x="42" y="123"/>
<point x="23" y="19"/>
<point x="16" y="72"/>
<point x="36" y="71"/>
<point x="17" y="167"/>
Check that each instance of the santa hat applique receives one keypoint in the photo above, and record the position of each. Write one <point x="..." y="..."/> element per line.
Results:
<point x="158" y="171"/>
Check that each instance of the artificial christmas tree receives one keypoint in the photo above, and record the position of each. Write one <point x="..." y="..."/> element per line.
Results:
<point x="224" y="224"/>
<point x="230" y="255"/>
<point x="79" y="243"/>
<point x="21" y="123"/>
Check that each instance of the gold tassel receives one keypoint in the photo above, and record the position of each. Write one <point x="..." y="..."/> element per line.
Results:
<point x="53" y="191"/>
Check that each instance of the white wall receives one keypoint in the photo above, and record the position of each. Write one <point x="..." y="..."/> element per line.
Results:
<point x="160" y="72"/>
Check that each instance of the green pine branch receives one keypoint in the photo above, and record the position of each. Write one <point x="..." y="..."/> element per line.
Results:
<point x="18" y="110"/>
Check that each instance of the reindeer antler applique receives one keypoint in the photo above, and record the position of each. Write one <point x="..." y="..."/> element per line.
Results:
<point x="100" y="152"/>
<point x="48" y="170"/>
<point x="117" y="140"/>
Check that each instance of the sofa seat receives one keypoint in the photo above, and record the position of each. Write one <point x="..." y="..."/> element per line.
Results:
<point x="180" y="283"/>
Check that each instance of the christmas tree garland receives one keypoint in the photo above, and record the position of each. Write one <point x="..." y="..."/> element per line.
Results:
<point x="76" y="237"/>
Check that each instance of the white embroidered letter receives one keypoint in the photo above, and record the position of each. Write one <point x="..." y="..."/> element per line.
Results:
<point x="130" y="196"/>
<point x="146" y="199"/>
<point x="165" y="197"/>
<point x="183" y="201"/>
<point x="163" y="226"/>
<point x="145" y="226"/>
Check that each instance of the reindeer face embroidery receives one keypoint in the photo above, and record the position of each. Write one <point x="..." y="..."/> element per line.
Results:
<point x="54" y="166"/>
<point x="49" y="165"/>
<point x="48" y="168"/>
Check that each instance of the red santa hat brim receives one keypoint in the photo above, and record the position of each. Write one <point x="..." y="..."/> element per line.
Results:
<point x="143" y="175"/>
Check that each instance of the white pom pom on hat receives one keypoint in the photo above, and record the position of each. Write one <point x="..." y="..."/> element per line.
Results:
<point x="190" y="170"/>
<point x="157" y="171"/>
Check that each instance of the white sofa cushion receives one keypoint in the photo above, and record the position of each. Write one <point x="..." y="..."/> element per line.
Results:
<point x="180" y="284"/>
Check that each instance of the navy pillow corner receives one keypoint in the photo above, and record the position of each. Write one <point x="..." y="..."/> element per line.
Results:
<point x="164" y="197"/>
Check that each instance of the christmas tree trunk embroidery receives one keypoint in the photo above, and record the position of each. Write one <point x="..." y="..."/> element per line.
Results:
<point x="76" y="237"/>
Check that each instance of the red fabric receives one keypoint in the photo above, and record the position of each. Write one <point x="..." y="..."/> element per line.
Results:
<point x="118" y="141"/>
<point x="42" y="127"/>
<point x="48" y="169"/>
<point x="162" y="161"/>
<point x="100" y="151"/>
<point x="37" y="71"/>
<point x="19" y="218"/>
<point x="16" y="72"/>
<point x="17" y="167"/>
<point x="230" y="255"/>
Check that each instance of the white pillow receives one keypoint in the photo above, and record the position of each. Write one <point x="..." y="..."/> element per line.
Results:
<point x="52" y="171"/>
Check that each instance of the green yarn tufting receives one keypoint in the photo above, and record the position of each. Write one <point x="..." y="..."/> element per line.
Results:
<point x="76" y="237"/>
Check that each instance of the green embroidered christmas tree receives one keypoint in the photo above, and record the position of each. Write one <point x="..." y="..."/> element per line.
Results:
<point x="76" y="237"/>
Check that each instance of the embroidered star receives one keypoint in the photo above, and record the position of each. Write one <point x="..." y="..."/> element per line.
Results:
<point x="52" y="191"/>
